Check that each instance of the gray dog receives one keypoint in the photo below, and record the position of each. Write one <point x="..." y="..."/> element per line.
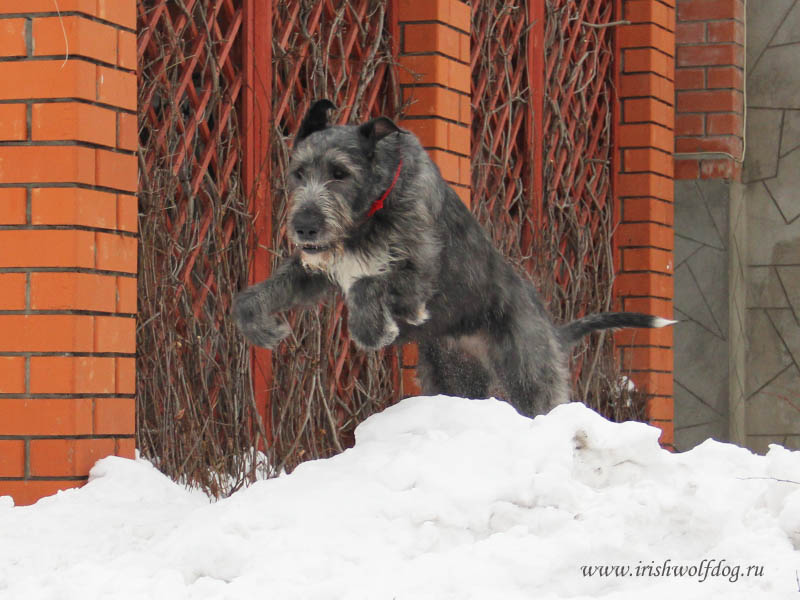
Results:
<point x="371" y="214"/>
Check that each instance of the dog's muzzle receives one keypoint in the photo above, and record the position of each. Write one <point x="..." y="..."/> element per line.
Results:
<point x="308" y="227"/>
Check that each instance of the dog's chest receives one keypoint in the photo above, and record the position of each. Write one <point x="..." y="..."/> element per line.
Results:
<point x="349" y="268"/>
<point x="346" y="268"/>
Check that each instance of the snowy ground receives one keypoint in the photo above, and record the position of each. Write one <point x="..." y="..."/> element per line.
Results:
<point x="441" y="498"/>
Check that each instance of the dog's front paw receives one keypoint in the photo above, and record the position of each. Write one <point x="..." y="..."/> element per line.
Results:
<point x="420" y="317"/>
<point x="370" y="318"/>
<point x="373" y="331"/>
<point x="408" y="307"/>
<point x="268" y="333"/>
<point x="257" y="325"/>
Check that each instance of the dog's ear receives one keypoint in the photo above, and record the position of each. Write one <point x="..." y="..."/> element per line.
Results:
<point x="316" y="119"/>
<point x="374" y="131"/>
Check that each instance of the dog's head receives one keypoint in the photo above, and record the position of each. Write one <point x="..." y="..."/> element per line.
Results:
<point x="335" y="174"/>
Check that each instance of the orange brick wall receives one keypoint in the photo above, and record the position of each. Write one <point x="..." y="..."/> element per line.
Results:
<point x="434" y="71"/>
<point x="709" y="79"/>
<point x="644" y="240"/>
<point x="68" y="240"/>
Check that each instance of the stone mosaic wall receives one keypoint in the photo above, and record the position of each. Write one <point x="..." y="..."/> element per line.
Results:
<point x="701" y="307"/>
<point x="772" y="177"/>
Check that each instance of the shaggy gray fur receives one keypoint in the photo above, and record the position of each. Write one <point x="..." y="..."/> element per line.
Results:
<point x="421" y="269"/>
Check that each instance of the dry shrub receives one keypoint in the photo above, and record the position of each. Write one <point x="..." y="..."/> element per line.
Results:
<point x="562" y="234"/>
<point x="196" y="415"/>
<point x="324" y="386"/>
<point x="195" y="412"/>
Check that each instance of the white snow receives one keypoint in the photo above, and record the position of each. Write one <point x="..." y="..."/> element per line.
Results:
<point x="441" y="498"/>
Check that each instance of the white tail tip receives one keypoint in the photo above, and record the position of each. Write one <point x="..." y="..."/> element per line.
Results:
<point x="659" y="322"/>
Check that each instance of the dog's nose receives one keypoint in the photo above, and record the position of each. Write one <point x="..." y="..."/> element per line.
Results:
<point x="307" y="224"/>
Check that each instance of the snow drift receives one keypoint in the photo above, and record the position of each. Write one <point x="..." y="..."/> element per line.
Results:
<point x="440" y="498"/>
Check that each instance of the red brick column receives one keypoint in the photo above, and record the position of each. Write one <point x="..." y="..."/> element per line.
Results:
<point x="709" y="80"/>
<point x="68" y="242"/>
<point x="434" y="55"/>
<point x="644" y="239"/>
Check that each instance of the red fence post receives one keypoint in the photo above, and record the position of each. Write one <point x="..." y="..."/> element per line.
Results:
<point x="644" y="240"/>
<point x="257" y="123"/>
<point x="536" y="84"/>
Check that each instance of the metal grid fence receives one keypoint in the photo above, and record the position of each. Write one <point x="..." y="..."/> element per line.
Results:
<point x="541" y="73"/>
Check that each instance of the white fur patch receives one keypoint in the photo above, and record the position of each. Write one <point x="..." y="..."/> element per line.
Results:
<point x="422" y="316"/>
<point x="392" y="331"/>
<point x="318" y="261"/>
<point x="347" y="268"/>
<point x="659" y="322"/>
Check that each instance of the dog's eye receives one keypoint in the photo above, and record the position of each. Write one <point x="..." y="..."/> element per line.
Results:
<point x="299" y="173"/>
<point x="339" y="173"/>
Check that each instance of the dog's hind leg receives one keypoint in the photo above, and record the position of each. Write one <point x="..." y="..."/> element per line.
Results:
<point x="444" y="369"/>
<point x="532" y="376"/>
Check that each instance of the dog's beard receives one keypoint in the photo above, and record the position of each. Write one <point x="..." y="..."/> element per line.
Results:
<point x="322" y="253"/>
<point x="319" y="255"/>
<point x="320" y="260"/>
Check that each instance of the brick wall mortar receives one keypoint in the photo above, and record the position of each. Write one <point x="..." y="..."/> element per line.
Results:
<point x="68" y="241"/>
<point x="644" y="191"/>
<point x="119" y="13"/>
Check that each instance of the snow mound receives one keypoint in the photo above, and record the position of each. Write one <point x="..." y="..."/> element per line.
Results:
<point x="440" y="498"/>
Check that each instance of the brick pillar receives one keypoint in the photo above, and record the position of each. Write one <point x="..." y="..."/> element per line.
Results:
<point x="644" y="190"/>
<point x="68" y="242"/>
<point x="709" y="140"/>
<point x="708" y="82"/>
<point x="434" y="72"/>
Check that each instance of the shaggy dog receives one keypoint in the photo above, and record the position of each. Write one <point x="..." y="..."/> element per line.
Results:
<point x="371" y="215"/>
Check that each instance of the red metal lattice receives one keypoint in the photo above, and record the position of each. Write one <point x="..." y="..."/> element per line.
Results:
<point x="541" y="137"/>
<point x="506" y="184"/>
<point x="194" y="400"/>
<point x="322" y="386"/>
<point x="542" y="149"/>
<point x="577" y="120"/>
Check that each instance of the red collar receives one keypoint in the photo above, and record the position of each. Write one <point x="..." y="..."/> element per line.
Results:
<point x="378" y="204"/>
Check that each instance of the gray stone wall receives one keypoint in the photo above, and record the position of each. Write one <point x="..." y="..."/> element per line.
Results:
<point x="772" y="197"/>
<point x="701" y="307"/>
<point x="737" y="315"/>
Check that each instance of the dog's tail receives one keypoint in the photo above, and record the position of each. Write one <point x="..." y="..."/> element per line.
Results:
<point x="572" y="332"/>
